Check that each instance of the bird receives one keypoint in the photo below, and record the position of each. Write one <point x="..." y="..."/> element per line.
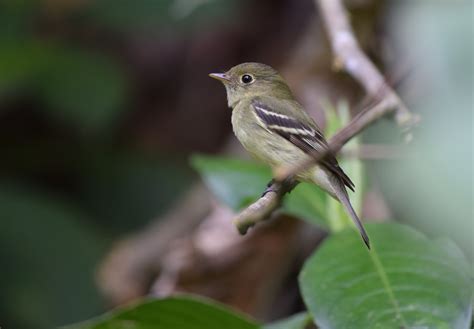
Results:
<point x="275" y="129"/>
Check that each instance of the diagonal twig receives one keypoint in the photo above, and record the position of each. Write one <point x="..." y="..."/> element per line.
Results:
<point x="349" y="56"/>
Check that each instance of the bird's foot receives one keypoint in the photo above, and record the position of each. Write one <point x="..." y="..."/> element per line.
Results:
<point x="270" y="188"/>
<point x="274" y="186"/>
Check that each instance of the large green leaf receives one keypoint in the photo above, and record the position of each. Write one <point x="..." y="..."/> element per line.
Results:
<point x="237" y="183"/>
<point x="170" y="313"/>
<point x="308" y="202"/>
<point x="405" y="281"/>
<point x="234" y="182"/>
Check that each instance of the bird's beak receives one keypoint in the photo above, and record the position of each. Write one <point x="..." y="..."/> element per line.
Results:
<point x="220" y="76"/>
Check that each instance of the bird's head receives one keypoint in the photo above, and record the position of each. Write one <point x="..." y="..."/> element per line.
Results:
<point x="249" y="80"/>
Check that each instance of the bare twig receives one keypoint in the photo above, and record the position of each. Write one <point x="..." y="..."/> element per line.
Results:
<point x="349" y="56"/>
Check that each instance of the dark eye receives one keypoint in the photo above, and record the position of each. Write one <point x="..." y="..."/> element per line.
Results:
<point x="246" y="78"/>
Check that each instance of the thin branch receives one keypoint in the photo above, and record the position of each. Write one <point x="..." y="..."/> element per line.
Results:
<point x="349" y="56"/>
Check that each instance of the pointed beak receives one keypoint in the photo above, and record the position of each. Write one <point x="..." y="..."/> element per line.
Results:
<point x="220" y="76"/>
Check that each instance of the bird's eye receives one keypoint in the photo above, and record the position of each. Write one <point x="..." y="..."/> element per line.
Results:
<point x="247" y="78"/>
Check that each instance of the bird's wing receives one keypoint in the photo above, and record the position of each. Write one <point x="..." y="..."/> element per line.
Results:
<point x="298" y="128"/>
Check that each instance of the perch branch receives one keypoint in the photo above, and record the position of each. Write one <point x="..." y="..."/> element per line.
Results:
<point x="264" y="207"/>
<point x="349" y="56"/>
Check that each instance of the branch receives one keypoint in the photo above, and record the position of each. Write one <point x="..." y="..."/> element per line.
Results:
<point x="260" y="210"/>
<point x="349" y="56"/>
<point x="264" y="207"/>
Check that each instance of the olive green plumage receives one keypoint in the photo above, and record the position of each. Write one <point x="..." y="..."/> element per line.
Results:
<point x="274" y="128"/>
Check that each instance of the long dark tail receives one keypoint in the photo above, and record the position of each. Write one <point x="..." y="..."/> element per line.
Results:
<point x="344" y="199"/>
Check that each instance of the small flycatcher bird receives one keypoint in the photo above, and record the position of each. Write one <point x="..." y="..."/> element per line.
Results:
<point x="274" y="128"/>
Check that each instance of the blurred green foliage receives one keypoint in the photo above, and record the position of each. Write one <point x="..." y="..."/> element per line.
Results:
<point x="238" y="183"/>
<point x="69" y="184"/>
<point x="48" y="251"/>
<point x="234" y="182"/>
<point x="131" y="188"/>
<point x="86" y="90"/>
<point x="174" y="312"/>
<point x="337" y="117"/>
<point x="188" y="312"/>
<point x="183" y="15"/>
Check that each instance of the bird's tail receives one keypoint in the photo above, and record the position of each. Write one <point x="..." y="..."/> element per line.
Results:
<point x="343" y="197"/>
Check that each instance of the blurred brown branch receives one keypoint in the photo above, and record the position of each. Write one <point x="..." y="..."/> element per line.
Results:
<point x="349" y="56"/>
<point x="128" y="270"/>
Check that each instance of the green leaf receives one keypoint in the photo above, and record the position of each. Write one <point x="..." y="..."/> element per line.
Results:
<point x="405" y="281"/>
<point x="170" y="313"/>
<point x="238" y="183"/>
<point x="234" y="182"/>
<point x="297" y="321"/>
<point x="308" y="202"/>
